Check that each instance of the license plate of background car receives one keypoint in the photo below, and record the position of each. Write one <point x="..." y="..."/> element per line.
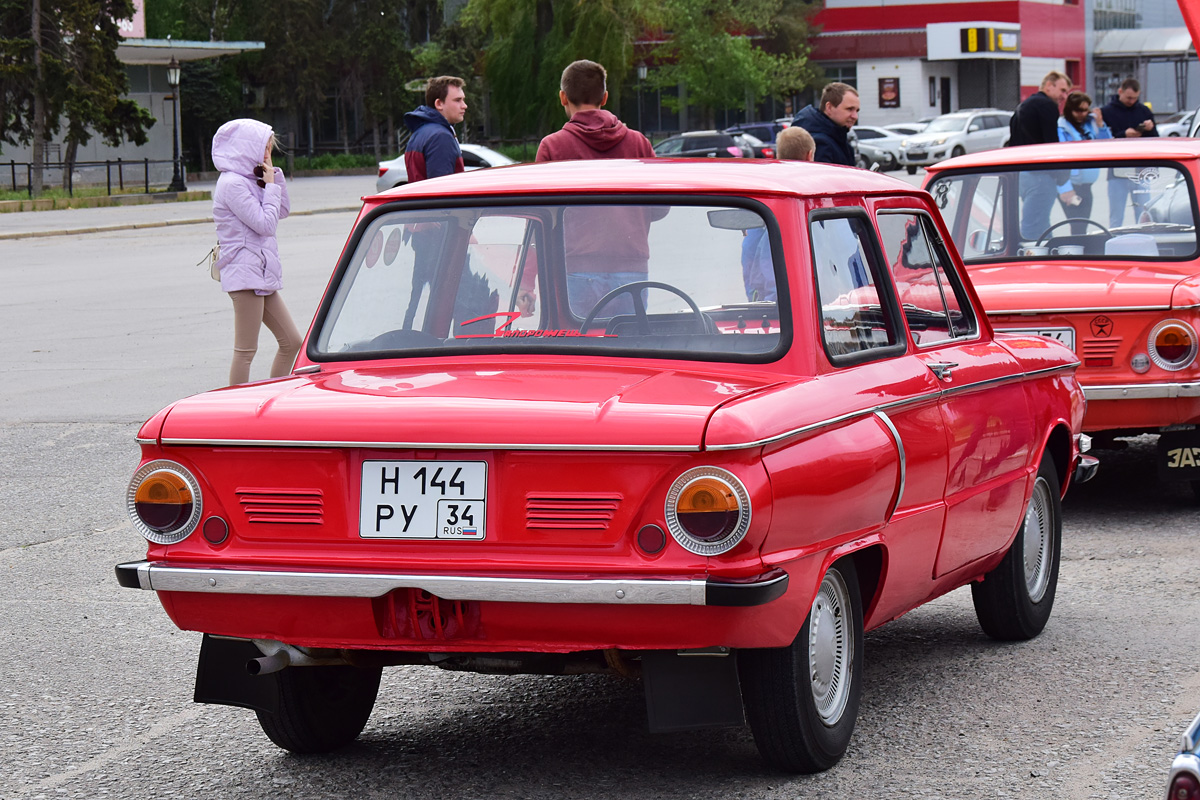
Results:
<point x="1179" y="455"/>
<point x="916" y="153"/>
<point x="422" y="499"/>
<point x="1062" y="335"/>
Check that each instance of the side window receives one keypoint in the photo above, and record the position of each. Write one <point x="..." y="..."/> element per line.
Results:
<point x="669" y="147"/>
<point x="976" y="206"/>
<point x="472" y="160"/>
<point x="853" y="319"/>
<point x="934" y="304"/>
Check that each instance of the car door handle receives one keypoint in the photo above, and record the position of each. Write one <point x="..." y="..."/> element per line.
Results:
<point x="943" y="369"/>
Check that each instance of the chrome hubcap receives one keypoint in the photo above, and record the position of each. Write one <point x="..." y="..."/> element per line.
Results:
<point x="1038" y="534"/>
<point x="830" y="647"/>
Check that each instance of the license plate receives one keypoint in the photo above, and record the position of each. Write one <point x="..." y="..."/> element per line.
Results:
<point x="1064" y="335"/>
<point x="1179" y="455"/>
<point x="423" y="500"/>
<point x="917" y="154"/>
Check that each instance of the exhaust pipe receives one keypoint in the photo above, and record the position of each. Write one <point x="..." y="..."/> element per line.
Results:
<point x="265" y="665"/>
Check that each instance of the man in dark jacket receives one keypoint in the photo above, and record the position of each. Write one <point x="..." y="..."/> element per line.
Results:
<point x="1127" y="119"/>
<point x="1036" y="122"/>
<point x="830" y="122"/>
<point x="606" y="247"/>
<point x="433" y="149"/>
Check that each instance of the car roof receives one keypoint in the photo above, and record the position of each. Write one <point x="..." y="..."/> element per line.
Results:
<point x="725" y="176"/>
<point x="1155" y="148"/>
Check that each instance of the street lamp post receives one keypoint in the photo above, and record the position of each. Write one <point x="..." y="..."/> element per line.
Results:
<point x="177" y="184"/>
<point x="641" y="75"/>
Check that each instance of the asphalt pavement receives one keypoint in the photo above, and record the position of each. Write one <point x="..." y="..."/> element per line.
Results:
<point x="308" y="196"/>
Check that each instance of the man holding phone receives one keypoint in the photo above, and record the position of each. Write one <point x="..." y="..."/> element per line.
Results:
<point x="1127" y="119"/>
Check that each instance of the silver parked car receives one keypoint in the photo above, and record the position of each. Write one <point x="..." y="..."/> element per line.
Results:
<point x="475" y="156"/>
<point x="968" y="131"/>
<point x="878" y="146"/>
<point x="1184" y="781"/>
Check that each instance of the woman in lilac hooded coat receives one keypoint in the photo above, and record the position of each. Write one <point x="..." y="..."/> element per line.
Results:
<point x="249" y="200"/>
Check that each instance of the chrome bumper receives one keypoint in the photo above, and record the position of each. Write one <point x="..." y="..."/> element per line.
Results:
<point x="160" y="577"/>
<point x="1142" y="391"/>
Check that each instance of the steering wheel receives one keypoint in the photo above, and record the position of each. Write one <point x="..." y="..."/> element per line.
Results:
<point x="1045" y="237"/>
<point x="634" y="290"/>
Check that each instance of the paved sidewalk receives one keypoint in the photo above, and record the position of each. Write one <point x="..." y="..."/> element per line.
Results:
<point x="308" y="196"/>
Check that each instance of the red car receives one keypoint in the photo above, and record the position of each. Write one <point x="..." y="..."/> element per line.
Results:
<point x="1094" y="244"/>
<point x="665" y="419"/>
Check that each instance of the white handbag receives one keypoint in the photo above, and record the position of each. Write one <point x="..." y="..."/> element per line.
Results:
<point x="212" y="258"/>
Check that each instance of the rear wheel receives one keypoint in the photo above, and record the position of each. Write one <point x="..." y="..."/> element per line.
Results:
<point x="1014" y="600"/>
<point x="802" y="700"/>
<point x="320" y="708"/>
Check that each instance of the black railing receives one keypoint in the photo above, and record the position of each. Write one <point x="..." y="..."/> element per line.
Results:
<point x="93" y="173"/>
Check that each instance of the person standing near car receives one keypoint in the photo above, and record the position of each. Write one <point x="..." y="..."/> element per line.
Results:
<point x="829" y="123"/>
<point x="1128" y="119"/>
<point x="1036" y="122"/>
<point x="432" y="152"/>
<point x="248" y="201"/>
<point x="606" y="247"/>
<point x="1079" y="122"/>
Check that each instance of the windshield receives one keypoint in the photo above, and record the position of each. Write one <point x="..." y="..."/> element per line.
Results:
<point x="1094" y="210"/>
<point x="945" y="125"/>
<point x="692" y="281"/>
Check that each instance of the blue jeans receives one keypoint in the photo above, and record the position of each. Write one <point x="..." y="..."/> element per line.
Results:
<point x="1038" y="193"/>
<point x="586" y="288"/>
<point x="1119" y="192"/>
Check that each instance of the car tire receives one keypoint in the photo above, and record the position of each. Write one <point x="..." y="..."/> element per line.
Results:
<point x="957" y="151"/>
<point x="1014" y="600"/>
<point x="802" y="700"/>
<point x="912" y="170"/>
<point x="862" y="162"/>
<point x="320" y="708"/>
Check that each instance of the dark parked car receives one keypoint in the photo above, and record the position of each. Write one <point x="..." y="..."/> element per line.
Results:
<point x="706" y="144"/>
<point x="766" y="131"/>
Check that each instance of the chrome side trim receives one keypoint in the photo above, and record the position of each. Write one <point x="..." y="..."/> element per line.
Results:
<point x="1026" y="312"/>
<point x="889" y="406"/>
<point x="141" y="440"/>
<point x="636" y="448"/>
<point x="903" y="460"/>
<point x="1144" y="391"/>
<point x="310" y="369"/>
<point x="627" y="591"/>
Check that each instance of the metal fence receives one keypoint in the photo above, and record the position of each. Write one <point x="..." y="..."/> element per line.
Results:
<point x="113" y="175"/>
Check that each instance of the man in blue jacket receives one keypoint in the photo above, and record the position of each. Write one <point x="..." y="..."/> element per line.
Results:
<point x="1127" y="119"/>
<point x="433" y="149"/>
<point x="830" y="123"/>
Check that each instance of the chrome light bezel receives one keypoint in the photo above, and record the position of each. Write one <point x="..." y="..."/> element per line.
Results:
<point x="188" y="527"/>
<point x="680" y="534"/>
<point x="1162" y="363"/>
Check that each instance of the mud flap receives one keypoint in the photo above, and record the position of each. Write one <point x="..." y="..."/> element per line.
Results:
<point x="222" y="679"/>
<point x="693" y="690"/>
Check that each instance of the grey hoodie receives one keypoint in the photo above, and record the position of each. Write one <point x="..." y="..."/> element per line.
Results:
<point x="246" y="215"/>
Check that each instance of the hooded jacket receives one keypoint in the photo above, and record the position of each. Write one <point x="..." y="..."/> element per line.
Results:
<point x="1120" y="117"/>
<point x="432" y="150"/>
<point x="833" y="143"/>
<point x="246" y="214"/>
<point x="594" y="133"/>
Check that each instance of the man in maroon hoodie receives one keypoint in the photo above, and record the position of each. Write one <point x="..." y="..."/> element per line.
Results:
<point x="606" y="246"/>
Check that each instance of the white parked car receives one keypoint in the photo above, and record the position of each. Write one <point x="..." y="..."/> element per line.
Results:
<point x="475" y="156"/>
<point x="906" y="128"/>
<point x="884" y="143"/>
<point x="1177" y="124"/>
<point x="970" y="130"/>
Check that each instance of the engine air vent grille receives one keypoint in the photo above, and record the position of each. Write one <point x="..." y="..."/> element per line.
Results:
<point x="282" y="506"/>
<point x="1093" y="348"/>
<point x="589" y="511"/>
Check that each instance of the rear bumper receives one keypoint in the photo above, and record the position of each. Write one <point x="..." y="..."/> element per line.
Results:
<point x="1142" y="391"/>
<point x="160" y="577"/>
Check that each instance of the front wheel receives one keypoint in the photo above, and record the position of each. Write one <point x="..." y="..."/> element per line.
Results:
<point x="912" y="170"/>
<point x="802" y="700"/>
<point x="320" y="708"/>
<point x="1014" y="600"/>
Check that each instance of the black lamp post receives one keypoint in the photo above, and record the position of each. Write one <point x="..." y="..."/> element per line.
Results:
<point x="641" y="76"/>
<point x="177" y="184"/>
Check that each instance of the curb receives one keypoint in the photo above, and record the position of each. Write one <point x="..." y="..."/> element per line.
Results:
<point x="103" y="201"/>
<point x="159" y="224"/>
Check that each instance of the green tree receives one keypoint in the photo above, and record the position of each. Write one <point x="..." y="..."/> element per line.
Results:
<point x="17" y="72"/>
<point x="533" y="40"/>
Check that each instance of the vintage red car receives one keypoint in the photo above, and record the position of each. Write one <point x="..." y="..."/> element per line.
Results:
<point x="1094" y="243"/>
<point x="665" y="419"/>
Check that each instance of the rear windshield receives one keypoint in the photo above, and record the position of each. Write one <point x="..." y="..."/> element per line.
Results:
<point x="1093" y="210"/>
<point x="688" y="281"/>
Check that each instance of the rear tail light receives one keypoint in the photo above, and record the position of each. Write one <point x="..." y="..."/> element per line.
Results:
<point x="163" y="502"/>
<point x="1184" y="787"/>
<point x="1172" y="345"/>
<point x="708" y="511"/>
<point x="768" y="152"/>
<point x="382" y="171"/>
